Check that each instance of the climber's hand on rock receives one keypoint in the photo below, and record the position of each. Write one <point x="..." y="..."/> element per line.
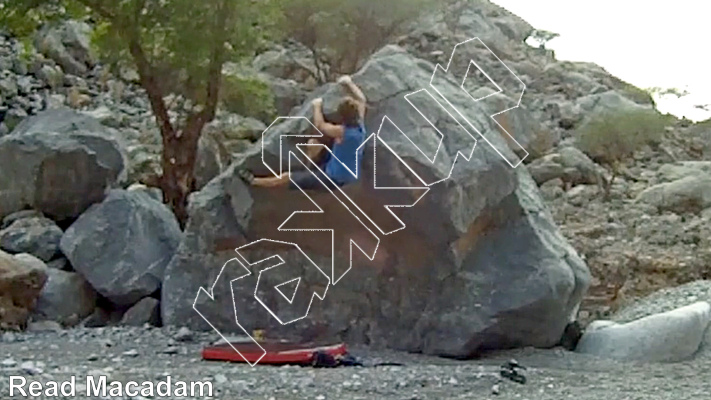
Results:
<point x="344" y="80"/>
<point x="317" y="102"/>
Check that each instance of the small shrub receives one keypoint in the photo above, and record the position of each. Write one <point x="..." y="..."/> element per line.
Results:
<point x="345" y="33"/>
<point x="612" y="138"/>
<point x="637" y="95"/>
<point x="249" y="97"/>
<point x="76" y="99"/>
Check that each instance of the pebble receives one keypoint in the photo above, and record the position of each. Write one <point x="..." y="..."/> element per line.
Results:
<point x="495" y="389"/>
<point x="130" y="353"/>
<point x="9" y="363"/>
<point x="9" y="337"/>
<point x="31" y="368"/>
<point x="184" y="335"/>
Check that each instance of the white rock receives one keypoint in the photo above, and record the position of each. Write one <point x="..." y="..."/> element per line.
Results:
<point x="667" y="337"/>
<point x="8" y="362"/>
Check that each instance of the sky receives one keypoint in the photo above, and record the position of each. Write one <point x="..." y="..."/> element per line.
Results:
<point x="646" y="43"/>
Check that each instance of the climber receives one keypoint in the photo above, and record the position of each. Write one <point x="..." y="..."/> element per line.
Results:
<point x="347" y="150"/>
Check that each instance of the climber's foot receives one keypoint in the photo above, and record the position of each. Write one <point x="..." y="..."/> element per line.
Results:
<point x="246" y="176"/>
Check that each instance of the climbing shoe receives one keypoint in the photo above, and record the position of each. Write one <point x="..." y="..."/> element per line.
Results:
<point x="246" y="176"/>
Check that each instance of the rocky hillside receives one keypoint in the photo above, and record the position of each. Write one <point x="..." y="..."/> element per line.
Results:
<point x="74" y="138"/>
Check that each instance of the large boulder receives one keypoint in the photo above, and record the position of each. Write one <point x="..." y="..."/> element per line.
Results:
<point x="122" y="245"/>
<point x="64" y="120"/>
<point x="20" y="285"/>
<point x="691" y="194"/>
<point x="60" y="120"/>
<point x="479" y="264"/>
<point x="672" y="336"/>
<point x="669" y="299"/>
<point x="58" y="162"/>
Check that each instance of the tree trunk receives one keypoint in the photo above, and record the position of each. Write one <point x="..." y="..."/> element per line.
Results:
<point x="178" y="163"/>
<point x="180" y="146"/>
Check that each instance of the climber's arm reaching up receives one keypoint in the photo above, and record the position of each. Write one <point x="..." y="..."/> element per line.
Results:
<point x="354" y="91"/>
<point x="334" y="131"/>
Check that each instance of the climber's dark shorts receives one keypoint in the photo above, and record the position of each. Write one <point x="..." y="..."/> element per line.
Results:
<point x="308" y="181"/>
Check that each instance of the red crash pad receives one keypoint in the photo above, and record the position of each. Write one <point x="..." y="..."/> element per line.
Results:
<point x="276" y="352"/>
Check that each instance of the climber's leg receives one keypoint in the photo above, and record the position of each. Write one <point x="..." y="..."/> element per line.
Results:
<point x="271" y="181"/>
<point x="305" y="179"/>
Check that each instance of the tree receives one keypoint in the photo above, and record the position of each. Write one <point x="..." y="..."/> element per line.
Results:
<point x="612" y="138"/>
<point x="343" y="34"/>
<point x="543" y="37"/>
<point x="175" y="46"/>
<point x="661" y="92"/>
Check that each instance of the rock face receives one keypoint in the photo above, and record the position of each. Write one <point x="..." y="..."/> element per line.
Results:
<point x="20" y="285"/>
<point x="53" y="165"/>
<point x="667" y="337"/>
<point x="479" y="265"/>
<point x="65" y="298"/>
<point x="122" y="245"/>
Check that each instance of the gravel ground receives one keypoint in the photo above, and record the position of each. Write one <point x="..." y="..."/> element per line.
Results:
<point x="666" y="300"/>
<point x="144" y="354"/>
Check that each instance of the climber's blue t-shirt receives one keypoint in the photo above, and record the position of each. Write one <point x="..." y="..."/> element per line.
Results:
<point x="350" y="154"/>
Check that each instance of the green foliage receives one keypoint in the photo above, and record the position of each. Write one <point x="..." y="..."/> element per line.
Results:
<point x="175" y="46"/>
<point x="179" y="36"/>
<point x="23" y="17"/>
<point x="611" y="138"/>
<point x="249" y="97"/>
<point x="26" y="51"/>
<point x="344" y="33"/>
<point x="639" y="96"/>
<point x="659" y="91"/>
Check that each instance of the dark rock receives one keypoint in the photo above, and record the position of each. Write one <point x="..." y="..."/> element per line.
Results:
<point x="571" y="336"/>
<point x="66" y="297"/>
<point x="38" y="236"/>
<point x="58" y="162"/>
<point x="122" y="245"/>
<point x="10" y="219"/>
<point x="146" y="311"/>
<point x="435" y="287"/>
<point x="60" y="263"/>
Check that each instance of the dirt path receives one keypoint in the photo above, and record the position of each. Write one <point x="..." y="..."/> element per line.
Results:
<point x="140" y="354"/>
